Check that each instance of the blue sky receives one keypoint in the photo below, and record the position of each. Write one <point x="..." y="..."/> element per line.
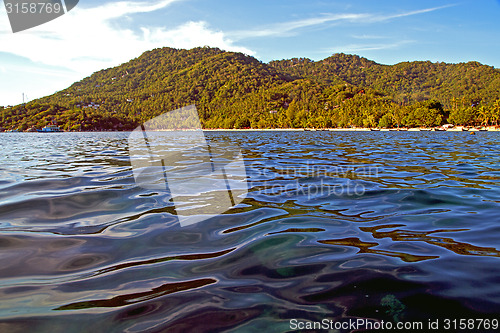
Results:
<point x="102" y="34"/>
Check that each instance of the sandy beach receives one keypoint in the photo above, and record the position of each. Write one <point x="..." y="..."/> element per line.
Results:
<point x="358" y="129"/>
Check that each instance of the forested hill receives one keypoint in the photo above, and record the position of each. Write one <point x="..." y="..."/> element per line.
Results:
<point x="404" y="82"/>
<point x="232" y="90"/>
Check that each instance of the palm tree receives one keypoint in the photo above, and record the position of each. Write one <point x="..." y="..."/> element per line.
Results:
<point x="496" y="111"/>
<point x="484" y="115"/>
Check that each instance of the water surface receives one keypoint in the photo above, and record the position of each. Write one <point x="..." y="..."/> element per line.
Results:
<point x="377" y="225"/>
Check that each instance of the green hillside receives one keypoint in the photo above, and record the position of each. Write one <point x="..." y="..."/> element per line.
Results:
<point x="232" y="90"/>
<point x="407" y="81"/>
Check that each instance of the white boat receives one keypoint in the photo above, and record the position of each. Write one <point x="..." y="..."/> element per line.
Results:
<point x="50" y="129"/>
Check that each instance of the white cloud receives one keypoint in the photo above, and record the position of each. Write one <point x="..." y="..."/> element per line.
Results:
<point x="288" y="28"/>
<point x="379" y="18"/>
<point x="37" y="70"/>
<point x="368" y="37"/>
<point x="88" y="39"/>
<point x="353" y="48"/>
<point x="189" y="35"/>
<point x="285" y="28"/>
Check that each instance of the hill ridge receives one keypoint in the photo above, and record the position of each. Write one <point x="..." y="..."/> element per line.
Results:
<point x="234" y="90"/>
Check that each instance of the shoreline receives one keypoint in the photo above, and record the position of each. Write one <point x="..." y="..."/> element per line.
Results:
<point x="356" y="129"/>
<point x="360" y="129"/>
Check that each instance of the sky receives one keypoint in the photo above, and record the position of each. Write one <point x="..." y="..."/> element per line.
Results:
<point x="100" y="34"/>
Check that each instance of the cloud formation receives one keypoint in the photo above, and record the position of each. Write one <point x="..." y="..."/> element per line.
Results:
<point x="289" y="28"/>
<point x="88" y="39"/>
<point x="353" y="48"/>
<point x="286" y="28"/>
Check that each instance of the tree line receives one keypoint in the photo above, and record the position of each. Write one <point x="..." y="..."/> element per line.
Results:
<point x="233" y="90"/>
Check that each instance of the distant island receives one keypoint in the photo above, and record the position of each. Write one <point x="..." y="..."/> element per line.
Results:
<point x="236" y="91"/>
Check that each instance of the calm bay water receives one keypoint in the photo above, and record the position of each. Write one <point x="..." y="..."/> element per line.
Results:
<point x="379" y="225"/>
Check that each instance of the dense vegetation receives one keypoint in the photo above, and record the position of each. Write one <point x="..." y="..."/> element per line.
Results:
<point x="232" y="90"/>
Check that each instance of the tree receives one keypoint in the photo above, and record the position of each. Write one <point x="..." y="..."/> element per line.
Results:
<point x="427" y="114"/>
<point x="234" y="90"/>
<point x="484" y="115"/>
<point x="398" y="114"/>
<point x="496" y="112"/>
<point x="242" y="123"/>
<point x="463" y="116"/>
<point x="386" y="121"/>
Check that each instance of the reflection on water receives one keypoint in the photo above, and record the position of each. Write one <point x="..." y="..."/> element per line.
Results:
<point x="384" y="226"/>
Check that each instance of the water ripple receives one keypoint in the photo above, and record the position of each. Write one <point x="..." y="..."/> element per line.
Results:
<point x="378" y="225"/>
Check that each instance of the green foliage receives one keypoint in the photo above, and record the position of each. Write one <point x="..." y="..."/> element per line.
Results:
<point x="406" y="82"/>
<point x="428" y="114"/>
<point x="386" y="121"/>
<point x="232" y="90"/>
<point x="464" y="116"/>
